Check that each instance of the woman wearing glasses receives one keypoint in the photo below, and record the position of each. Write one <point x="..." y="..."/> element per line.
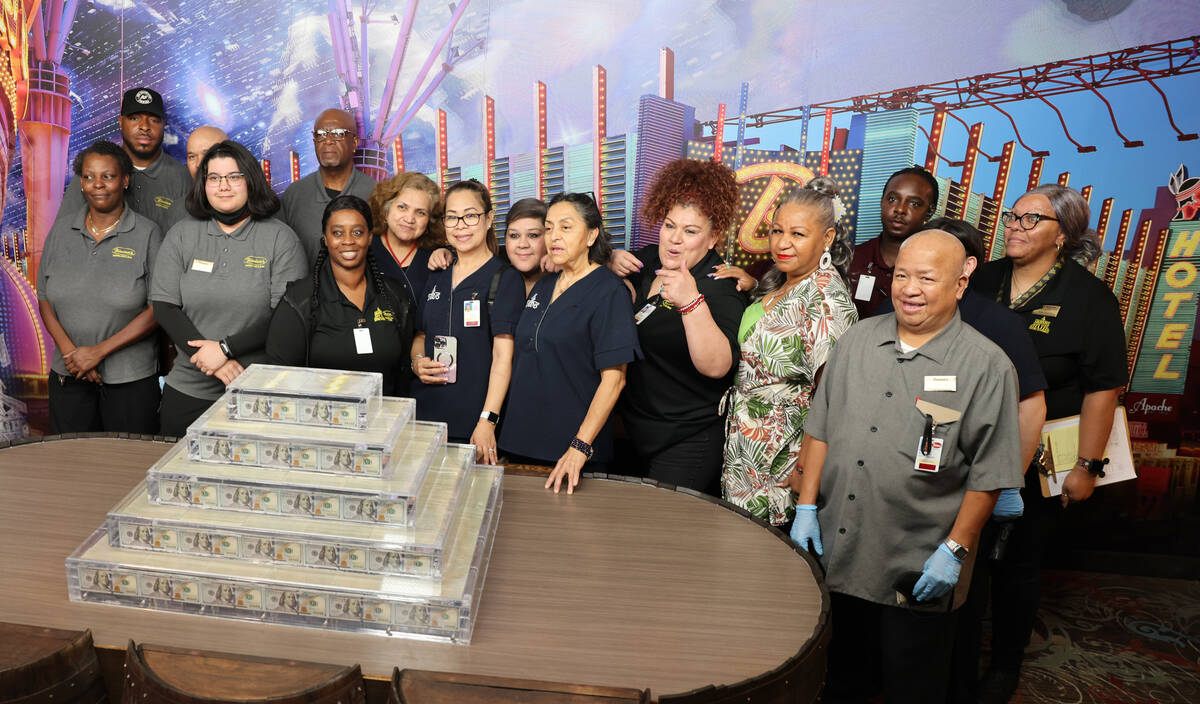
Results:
<point x="463" y="349"/>
<point x="1076" y="327"/>
<point x="93" y="286"/>
<point x="217" y="278"/>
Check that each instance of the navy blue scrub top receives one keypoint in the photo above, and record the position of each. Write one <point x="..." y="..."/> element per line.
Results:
<point x="560" y="350"/>
<point x="414" y="276"/>
<point x="440" y="312"/>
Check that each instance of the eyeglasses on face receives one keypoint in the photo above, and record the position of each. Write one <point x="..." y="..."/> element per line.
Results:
<point x="470" y="219"/>
<point x="234" y="179"/>
<point x="339" y="134"/>
<point x="1028" y="220"/>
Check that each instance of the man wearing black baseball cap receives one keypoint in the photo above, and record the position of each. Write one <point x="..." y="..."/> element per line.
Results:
<point x="159" y="183"/>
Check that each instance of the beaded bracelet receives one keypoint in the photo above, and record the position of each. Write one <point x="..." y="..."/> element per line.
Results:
<point x="692" y="306"/>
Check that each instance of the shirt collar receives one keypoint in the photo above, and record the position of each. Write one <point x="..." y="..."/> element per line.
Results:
<point x="214" y="229"/>
<point x="124" y="224"/>
<point x="323" y="194"/>
<point x="935" y="349"/>
<point x="330" y="293"/>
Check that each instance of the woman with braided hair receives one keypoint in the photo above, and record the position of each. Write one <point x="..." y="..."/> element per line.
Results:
<point x="346" y="315"/>
<point x="786" y="336"/>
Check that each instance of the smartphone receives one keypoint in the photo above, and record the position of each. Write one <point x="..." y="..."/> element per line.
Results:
<point x="445" y="350"/>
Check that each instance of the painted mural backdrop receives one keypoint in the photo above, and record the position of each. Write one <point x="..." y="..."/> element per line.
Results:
<point x="539" y="97"/>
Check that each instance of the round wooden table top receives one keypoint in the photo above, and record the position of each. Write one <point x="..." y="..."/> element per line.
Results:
<point x="621" y="584"/>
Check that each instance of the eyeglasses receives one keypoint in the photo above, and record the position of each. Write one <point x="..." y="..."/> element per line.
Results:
<point x="337" y="135"/>
<point x="1028" y="220"/>
<point x="470" y="219"/>
<point x="234" y="179"/>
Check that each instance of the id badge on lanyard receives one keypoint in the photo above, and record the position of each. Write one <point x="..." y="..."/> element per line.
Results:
<point x="362" y="338"/>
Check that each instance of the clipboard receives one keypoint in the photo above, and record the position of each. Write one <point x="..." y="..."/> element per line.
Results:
<point x="1060" y="439"/>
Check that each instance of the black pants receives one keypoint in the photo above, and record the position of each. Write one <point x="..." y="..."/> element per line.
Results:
<point x="694" y="462"/>
<point x="83" y="407"/>
<point x="180" y="410"/>
<point x="964" y="674"/>
<point x="904" y="652"/>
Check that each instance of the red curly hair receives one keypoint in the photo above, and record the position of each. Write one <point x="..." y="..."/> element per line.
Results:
<point x="707" y="185"/>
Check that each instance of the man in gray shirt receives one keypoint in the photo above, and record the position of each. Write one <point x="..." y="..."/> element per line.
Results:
<point x="335" y="137"/>
<point x="911" y="436"/>
<point x="159" y="183"/>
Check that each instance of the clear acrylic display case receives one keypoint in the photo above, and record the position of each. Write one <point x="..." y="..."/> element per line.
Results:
<point x="442" y="610"/>
<point x="214" y="437"/>
<point x="310" y="530"/>
<point x="316" y="397"/>
<point x="178" y="481"/>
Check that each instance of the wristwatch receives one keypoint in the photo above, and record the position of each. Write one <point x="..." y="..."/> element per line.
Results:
<point x="957" y="550"/>
<point x="225" y="349"/>
<point x="583" y="447"/>
<point x="490" y="417"/>
<point x="1094" y="467"/>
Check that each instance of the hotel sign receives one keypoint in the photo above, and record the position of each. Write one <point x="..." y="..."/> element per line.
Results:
<point x="1163" y="359"/>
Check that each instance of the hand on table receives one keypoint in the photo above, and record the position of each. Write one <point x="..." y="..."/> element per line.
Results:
<point x="567" y="469"/>
<point x="484" y="440"/>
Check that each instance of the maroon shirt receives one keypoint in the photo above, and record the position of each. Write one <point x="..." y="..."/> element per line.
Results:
<point x="868" y="260"/>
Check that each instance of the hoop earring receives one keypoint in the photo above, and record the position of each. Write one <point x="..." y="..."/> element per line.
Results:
<point x="826" y="260"/>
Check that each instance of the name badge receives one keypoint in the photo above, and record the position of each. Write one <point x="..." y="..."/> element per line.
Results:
<point x="941" y="383"/>
<point x="201" y="265"/>
<point x="932" y="461"/>
<point x="1051" y="311"/>
<point x="471" y="313"/>
<point x="644" y="313"/>
<point x="866" y="286"/>
<point x="362" y="341"/>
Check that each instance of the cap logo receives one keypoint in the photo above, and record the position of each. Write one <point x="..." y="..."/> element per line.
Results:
<point x="142" y="97"/>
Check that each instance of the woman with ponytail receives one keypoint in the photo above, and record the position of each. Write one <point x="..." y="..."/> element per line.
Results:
<point x="217" y="277"/>
<point x="346" y="315"/>
<point x="803" y="307"/>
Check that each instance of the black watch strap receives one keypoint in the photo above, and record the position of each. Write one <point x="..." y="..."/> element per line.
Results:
<point x="1094" y="467"/>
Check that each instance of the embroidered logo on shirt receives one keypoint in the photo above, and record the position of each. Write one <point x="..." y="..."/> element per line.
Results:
<point x="532" y="302"/>
<point x="123" y="252"/>
<point x="163" y="202"/>
<point x="434" y="295"/>
<point x="382" y="314"/>
<point x="1040" y="325"/>
<point x="253" y="262"/>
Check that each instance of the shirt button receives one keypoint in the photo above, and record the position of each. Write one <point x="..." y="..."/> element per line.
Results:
<point x="874" y="429"/>
<point x="226" y="250"/>
<point x="841" y="530"/>
<point x="860" y="463"/>
<point x="851" y="497"/>
<point x="888" y="394"/>
<point x="93" y="254"/>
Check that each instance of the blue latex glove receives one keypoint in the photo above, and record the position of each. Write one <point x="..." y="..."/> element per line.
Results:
<point x="938" y="576"/>
<point x="1009" y="505"/>
<point x="805" y="528"/>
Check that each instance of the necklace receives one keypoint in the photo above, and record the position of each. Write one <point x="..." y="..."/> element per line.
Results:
<point x="101" y="232"/>
<point x="402" y="262"/>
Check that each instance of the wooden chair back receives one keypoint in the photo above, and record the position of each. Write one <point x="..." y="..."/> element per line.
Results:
<point x="425" y="687"/>
<point x="48" y="666"/>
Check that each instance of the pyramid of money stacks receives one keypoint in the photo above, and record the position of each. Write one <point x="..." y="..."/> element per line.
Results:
<point x="304" y="497"/>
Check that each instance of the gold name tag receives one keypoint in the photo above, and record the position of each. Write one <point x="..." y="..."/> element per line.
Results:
<point x="1051" y="311"/>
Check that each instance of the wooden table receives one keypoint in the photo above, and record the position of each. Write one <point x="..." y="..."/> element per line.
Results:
<point x="622" y="584"/>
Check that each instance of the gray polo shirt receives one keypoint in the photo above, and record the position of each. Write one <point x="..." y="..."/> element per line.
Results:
<point x="882" y="517"/>
<point x="224" y="283"/>
<point x="157" y="192"/>
<point x="96" y="288"/>
<point x="304" y="203"/>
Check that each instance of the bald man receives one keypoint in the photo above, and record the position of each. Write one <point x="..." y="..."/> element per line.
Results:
<point x="198" y="143"/>
<point x="911" y="436"/>
<point x="335" y="137"/>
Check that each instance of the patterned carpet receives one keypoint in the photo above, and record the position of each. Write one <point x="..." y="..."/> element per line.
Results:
<point x="1112" y="639"/>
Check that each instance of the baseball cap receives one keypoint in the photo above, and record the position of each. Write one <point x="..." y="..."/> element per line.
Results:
<point x="138" y="100"/>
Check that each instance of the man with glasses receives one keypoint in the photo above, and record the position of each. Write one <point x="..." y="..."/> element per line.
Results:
<point x="335" y="137"/>
<point x="159" y="183"/>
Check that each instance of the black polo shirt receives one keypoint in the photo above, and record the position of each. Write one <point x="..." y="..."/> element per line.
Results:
<point x="442" y="312"/>
<point x="1075" y="324"/>
<point x="1004" y="328"/>
<point x="414" y="276"/>
<point x="332" y="344"/>
<point x="666" y="400"/>
<point x="561" y="349"/>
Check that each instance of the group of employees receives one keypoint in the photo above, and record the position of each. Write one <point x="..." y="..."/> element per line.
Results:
<point x="882" y="403"/>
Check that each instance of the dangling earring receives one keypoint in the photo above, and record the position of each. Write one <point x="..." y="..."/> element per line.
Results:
<point x="826" y="260"/>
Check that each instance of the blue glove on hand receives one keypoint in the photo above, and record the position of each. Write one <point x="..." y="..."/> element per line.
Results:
<point x="1009" y="505"/>
<point x="805" y="528"/>
<point x="938" y="576"/>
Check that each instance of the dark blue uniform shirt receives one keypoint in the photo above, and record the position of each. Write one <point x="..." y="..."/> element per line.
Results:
<point x="414" y="276"/>
<point x="561" y="349"/>
<point x="441" y="312"/>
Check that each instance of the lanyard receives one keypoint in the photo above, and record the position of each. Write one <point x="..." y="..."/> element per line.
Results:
<point x="401" y="262"/>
